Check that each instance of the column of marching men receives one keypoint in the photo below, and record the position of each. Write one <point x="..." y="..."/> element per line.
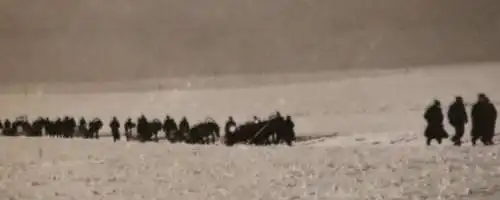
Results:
<point x="483" y="116"/>
<point x="275" y="129"/>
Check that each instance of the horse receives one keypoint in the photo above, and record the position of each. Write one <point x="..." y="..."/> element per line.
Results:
<point x="155" y="127"/>
<point x="271" y="131"/>
<point x="204" y="133"/>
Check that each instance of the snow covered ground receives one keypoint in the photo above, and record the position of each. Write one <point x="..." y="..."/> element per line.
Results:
<point x="389" y="102"/>
<point x="377" y="154"/>
<point x="78" y="169"/>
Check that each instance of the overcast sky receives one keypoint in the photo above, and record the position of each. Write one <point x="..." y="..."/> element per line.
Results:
<point x="95" y="40"/>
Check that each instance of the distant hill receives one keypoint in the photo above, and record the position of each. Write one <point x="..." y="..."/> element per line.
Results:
<point x="95" y="40"/>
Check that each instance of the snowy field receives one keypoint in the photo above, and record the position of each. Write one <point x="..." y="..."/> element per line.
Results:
<point x="381" y="102"/>
<point x="378" y="152"/>
<point x="65" y="169"/>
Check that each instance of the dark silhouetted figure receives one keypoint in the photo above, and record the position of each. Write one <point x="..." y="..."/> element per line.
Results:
<point x="256" y="120"/>
<point x="1" y="124"/>
<point x="169" y="128"/>
<point x="457" y="117"/>
<point x="38" y="126"/>
<point x="115" y="129"/>
<point x="280" y="125"/>
<point x="143" y="129"/>
<point x="129" y="125"/>
<point x="7" y="128"/>
<point x="95" y="127"/>
<point x="83" y="129"/>
<point x="230" y="126"/>
<point x="484" y="115"/>
<point x="72" y="126"/>
<point x="68" y="127"/>
<point x="155" y="127"/>
<point x="289" y="132"/>
<point x="50" y="127"/>
<point x="58" y="127"/>
<point x="46" y="126"/>
<point x="184" y="126"/>
<point x="435" y="129"/>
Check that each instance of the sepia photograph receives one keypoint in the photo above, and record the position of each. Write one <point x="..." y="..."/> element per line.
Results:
<point x="249" y="99"/>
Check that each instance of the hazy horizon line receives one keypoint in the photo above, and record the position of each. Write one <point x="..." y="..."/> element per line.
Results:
<point x="204" y="82"/>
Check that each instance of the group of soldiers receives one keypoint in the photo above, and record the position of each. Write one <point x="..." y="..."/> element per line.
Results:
<point x="203" y="132"/>
<point x="483" y="116"/>
<point x="274" y="130"/>
<point x="65" y="127"/>
<point x="146" y="130"/>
